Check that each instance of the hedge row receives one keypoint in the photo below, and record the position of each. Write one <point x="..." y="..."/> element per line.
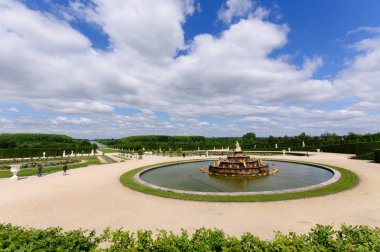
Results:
<point x="320" y="238"/>
<point x="354" y="148"/>
<point x="367" y="156"/>
<point x="38" y="152"/>
<point x="377" y="156"/>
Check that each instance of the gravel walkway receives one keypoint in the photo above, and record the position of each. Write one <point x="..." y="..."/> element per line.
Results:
<point x="93" y="198"/>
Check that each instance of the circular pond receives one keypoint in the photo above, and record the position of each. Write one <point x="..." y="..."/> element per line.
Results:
<point x="187" y="177"/>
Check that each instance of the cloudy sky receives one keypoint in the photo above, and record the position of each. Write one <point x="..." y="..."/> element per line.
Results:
<point x="113" y="68"/>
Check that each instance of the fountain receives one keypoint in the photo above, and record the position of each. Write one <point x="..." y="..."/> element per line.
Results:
<point x="238" y="173"/>
<point x="239" y="164"/>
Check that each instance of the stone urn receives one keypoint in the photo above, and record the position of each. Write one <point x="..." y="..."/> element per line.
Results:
<point x="15" y="169"/>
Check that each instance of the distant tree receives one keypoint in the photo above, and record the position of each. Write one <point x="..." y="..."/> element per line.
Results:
<point x="251" y="137"/>
<point x="330" y="137"/>
<point x="7" y="144"/>
<point x="285" y="139"/>
<point x="303" y="137"/>
<point x="272" y="139"/>
<point x="351" y="136"/>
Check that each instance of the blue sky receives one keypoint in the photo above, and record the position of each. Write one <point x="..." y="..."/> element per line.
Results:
<point x="100" y="69"/>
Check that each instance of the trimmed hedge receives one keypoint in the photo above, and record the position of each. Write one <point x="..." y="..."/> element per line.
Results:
<point x="377" y="156"/>
<point x="353" y="148"/>
<point x="319" y="238"/>
<point x="367" y="156"/>
<point x="37" y="152"/>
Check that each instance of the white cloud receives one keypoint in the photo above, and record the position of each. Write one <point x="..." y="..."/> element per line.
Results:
<point x="235" y="9"/>
<point x="255" y="119"/>
<point x="149" y="29"/>
<point x="52" y="67"/>
<point x="191" y="6"/>
<point x="203" y="124"/>
<point x="77" y="107"/>
<point x="361" y="79"/>
<point x="38" y="33"/>
<point x="76" y="121"/>
<point x="12" y="109"/>
<point x="5" y="121"/>
<point x="366" y="29"/>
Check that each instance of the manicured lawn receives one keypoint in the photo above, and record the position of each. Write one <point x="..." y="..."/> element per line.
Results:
<point x="348" y="180"/>
<point x="109" y="151"/>
<point x="51" y="169"/>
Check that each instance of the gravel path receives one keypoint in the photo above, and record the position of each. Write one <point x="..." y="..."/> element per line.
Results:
<point x="93" y="198"/>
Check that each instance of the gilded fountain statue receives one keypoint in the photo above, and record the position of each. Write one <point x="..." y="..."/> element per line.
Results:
<point x="240" y="164"/>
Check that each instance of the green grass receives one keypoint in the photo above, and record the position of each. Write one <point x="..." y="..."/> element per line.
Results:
<point x="46" y="170"/>
<point x="121" y="157"/>
<point x="348" y="180"/>
<point x="109" y="151"/>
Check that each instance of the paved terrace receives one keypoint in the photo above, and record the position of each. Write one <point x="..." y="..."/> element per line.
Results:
<point x="93" y="198"/>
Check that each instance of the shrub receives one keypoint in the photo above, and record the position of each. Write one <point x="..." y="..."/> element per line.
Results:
<point x="320" y="238"/>
<point x="5" y="167"/>
<point x="377" y="156"/>
<point x="354" y="148"/>
<point x="37" y="152"/>
<point x="13" y="238"/>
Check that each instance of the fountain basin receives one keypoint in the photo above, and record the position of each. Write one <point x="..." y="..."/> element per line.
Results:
<point x="187" y="179"/>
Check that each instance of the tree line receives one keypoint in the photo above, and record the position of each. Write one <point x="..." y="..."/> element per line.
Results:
<point x="248" y="141"/>
<point x="34" y="145"/>
<point x="30" y="141"/>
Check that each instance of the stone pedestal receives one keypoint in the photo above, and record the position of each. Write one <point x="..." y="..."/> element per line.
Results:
<point x="15" y="169"/>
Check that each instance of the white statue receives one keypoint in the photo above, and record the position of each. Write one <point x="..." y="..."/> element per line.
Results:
<point x="238" y="148"/>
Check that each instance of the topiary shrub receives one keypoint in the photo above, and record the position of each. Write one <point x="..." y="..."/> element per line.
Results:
<point x="377" y="156"/>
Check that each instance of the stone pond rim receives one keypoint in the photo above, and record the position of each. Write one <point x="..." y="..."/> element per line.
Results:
<point x="335" y="178"/>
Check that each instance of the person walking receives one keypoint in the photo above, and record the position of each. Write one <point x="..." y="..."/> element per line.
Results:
<point x="64" y="169"/>
<point x="39" y="167"/>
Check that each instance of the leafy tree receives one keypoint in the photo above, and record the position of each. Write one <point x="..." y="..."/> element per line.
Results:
<point x="250" y="137"/>
<point x="303" y="137"/>
<point x="330" y="137"/>
<point x="272" y="139"/>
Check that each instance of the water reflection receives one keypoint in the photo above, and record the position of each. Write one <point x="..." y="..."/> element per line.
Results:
<point x="188" y="177"/>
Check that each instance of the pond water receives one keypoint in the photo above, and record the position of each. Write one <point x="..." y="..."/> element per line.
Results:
<point x="188" y="177"/>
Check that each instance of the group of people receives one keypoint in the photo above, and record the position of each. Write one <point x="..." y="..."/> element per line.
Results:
<point x="39" y="168"/>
